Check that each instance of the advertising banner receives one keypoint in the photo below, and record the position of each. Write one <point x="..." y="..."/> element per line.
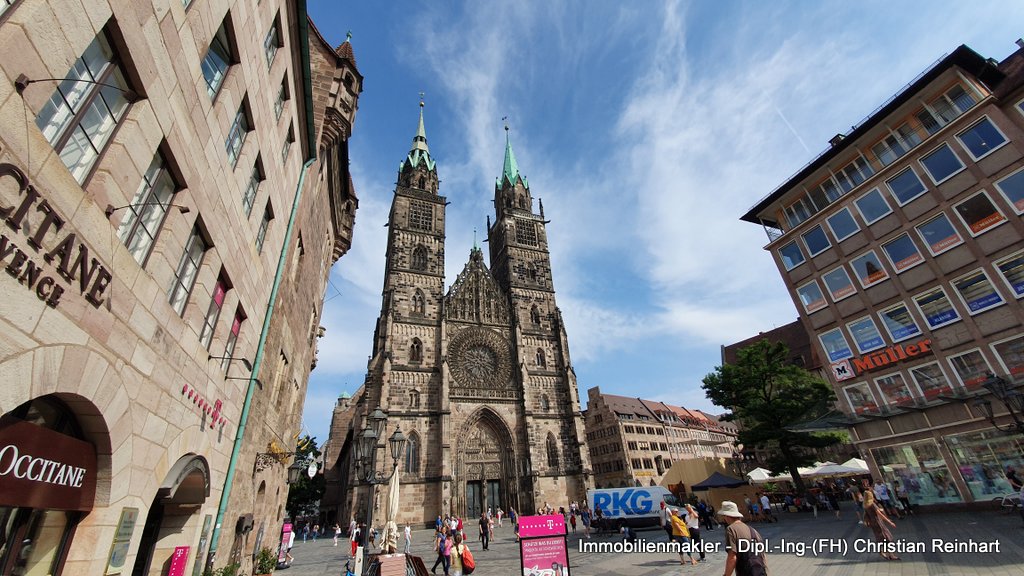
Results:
<point x="286" y="533"/>
<point x="543" y="550"/>
<point x="178" y="561"/>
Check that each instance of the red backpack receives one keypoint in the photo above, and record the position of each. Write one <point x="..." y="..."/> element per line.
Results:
<point x="468" y="563"/>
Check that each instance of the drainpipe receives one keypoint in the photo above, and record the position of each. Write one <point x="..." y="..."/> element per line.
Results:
<point x="303" y="39"/>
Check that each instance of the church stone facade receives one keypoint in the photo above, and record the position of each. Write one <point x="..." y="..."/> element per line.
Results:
<point x="478" y="377"/>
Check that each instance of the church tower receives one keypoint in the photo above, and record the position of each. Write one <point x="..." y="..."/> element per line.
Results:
<point x="478" y="378"/>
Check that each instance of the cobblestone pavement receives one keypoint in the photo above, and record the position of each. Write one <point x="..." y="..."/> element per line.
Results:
<point x="323" y="559"/>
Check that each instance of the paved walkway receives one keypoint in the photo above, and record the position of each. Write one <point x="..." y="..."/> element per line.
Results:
<point x="323" y="559"/>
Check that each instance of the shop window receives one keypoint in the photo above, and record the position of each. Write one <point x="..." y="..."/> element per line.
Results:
<point x="899" y="323"/>
<point x="861" y="399"/>
<point x="939" y="235"/>
<point x="894" y="390"/>
<point x="982" y="138"/>
<point x="868" y="269"/>
<point x="902" y="253"/>
<point x="977" y="292"/>
<point x="865" y="334"/>
<point x="941" y="164"/>
<point x="905" y="186"/>
<point x="936" y="308"/>
<point x="842" y="224"/>
<point x="87" y="106"/>
<point x="983" y="457"/>
<point x="835" y="345"/>
<point x="811" y="297"/>
<point x="791" y="255"/>
<point x="188" y="270"/>
<point x="971" y="368"/>
<point x="872" y="206"/>
<point x="839" y="284"/>
<point x="1010" y="353"/>
<point x="252" y="188"/>
<point x="979" y="214"/>
<point x="1012" y="188"/>
<point x="816" y="241"/>
<point x="145" y="215"/>
<point x="931" y="380"/>
<point x="920" y="468"/>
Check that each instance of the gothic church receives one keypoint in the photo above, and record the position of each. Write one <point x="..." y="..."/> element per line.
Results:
<point x="478" y="377"/>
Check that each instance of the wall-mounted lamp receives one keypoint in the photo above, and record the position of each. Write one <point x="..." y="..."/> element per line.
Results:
<point x="22" y="82"/>
<point x="111" y="208"/>
<point x="245" y="361"/>
<point x="1009" y="396"/>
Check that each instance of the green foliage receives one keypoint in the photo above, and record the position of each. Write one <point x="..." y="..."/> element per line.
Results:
<point x="229" y="570"/>
<point x="305" y="493"/>
<point x="767" y="395"/>
<point x="265" y="562"/>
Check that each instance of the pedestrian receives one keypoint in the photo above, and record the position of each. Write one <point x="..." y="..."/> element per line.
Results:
<point x="750" y="561"/>
<point x="305" y="532"/>
<point x="485" y="532"/>
<point x="858" y="502"/>
<point x="572" y="521"/>
<point x="812" y="501"/>
<point x="352" y="525"/>
<point x="665" y="517"/>
<point x="876" y="519"/>
<point x="500" y="513"/>
<point x="458" y="549"/>
<point x="833" y="502"/>
<point x="681" y="535"/>
<point x="902" y="496"/>
<point x="437" y="523"/>
<point x="353" y="538"/>
<point x="585" y="518"/>
<point x="316" y="531"/>
<point x="408" y="539"/>
<point x="693" y="524"/>
<point x="766" y="507"/>
<point x="288" y="552"/>
<point x="628" y="534"/>
<point x="337" y="533"/>
<point x="442" y="545"/>
<point x="882" y="496"/>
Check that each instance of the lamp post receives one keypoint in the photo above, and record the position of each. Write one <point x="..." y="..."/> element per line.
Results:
<point x="366" y="462"/>
<point x="1009" y="396"/>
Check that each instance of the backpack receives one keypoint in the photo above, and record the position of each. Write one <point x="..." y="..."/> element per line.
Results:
<point x="748" y="563"/>
<point x="468" y="562"/>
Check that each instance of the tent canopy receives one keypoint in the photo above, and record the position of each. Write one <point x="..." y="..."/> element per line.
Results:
<point x="717" y="480"/>
<point x="857" y="463"/>
<point x="759" y="476"/>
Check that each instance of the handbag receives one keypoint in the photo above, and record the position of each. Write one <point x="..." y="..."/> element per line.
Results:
<point x="468" y="562"/>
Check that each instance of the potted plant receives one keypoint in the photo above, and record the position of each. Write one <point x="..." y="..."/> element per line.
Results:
<point x="265" y="562"/>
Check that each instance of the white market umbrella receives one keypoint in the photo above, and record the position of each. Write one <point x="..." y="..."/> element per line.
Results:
<point x="831" y="469"/>
<point x="759" y="475"/>
<point x="857" y="463"/>
<point x="389" y="540"/>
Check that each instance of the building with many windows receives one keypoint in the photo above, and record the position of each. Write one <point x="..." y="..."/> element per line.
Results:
<point x="901" y="245"/>
<point x="634" y="442"/>
<point x="173" y="188"/>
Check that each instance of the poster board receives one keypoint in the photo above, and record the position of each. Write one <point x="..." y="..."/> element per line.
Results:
<point x="179" y="560"/>
<point x="122" y="539"/>
<point x="543" y="547"/>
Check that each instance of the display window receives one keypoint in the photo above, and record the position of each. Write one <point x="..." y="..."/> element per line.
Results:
<point x="939" y="234"/>
<point x="983" y="457"/>
<point x="936" y="308"/>
<point x="971" y="368"/>
<point x="920" y="468"/>
<point x="979" y="214"/>
<point x="868" y="269"/>
<point x="931" y="380"/>
<point x="895" y="390"/>
<point x="835" y="345"/>
<point x="865" y="334"/>
<point x="977" y="292"/>
<point x="899" y="323"/>
<point x="811" y="297"/>
<point x="1012" y="188"/>
<point x="861" y="399"/>
<point x="839" y="284"/>
<point x="902" y="253"/>
<point x="1010" y="353"/>
<point x="791" y="255"/>
<point x="1012" y="271"/>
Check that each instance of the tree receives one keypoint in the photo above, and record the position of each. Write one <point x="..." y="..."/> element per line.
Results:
<point x="767" y="395"/>
<point x="304" y="495"/>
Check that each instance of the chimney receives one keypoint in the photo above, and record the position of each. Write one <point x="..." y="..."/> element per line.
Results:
<point x="1020" y="42"/>
<point x="837" y="139"/>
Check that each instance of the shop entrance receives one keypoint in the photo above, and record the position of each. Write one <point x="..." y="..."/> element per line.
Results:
<point x="175" y="506"/>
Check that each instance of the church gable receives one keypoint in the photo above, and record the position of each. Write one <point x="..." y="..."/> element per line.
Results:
<point x="475" y="296"/>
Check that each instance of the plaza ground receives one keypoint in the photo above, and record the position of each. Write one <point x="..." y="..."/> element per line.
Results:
<point x="321" y="558"/>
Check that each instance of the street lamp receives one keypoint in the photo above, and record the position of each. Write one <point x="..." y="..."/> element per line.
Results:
<point x="366" y="460"/>
<point x="294" y="471"/>
<point x="1006" y="394"/>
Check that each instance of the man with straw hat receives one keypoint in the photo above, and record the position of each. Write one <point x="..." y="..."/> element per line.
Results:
<point x="743" y="544"/>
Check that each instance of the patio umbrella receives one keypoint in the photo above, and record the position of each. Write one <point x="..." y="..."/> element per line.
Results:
<point x="389" y="540"/>
<point x="857" y="463"/>
<point x="759" y="476"/>
<point x="831" y="469"/>
<point x="718" y="480"/>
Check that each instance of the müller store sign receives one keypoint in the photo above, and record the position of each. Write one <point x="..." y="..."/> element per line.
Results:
<point x="40" y="468"/>
<point x="26" y="258"/>
<point x="849" y="368"/>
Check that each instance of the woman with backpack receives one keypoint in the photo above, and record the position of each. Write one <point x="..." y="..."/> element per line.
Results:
<point x="443" y="547"/>
<point x="463" y="563"/>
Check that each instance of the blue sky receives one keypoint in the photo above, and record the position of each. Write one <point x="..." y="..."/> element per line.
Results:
<point x="647" y="128"/>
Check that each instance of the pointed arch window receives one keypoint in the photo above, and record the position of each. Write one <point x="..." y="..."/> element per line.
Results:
<point x="531" y="272"/>
<point x="414" y="399"/>
<point x="418" y="302"/>
<point x="412" y="454"/>
<point x="552" y="451"/>
<point x="541" y="363"/>
<point x="416" y="350"/>
<point x="545" y="403"/>
<point x="535" y="315"/>
<point x="419" y="258"/>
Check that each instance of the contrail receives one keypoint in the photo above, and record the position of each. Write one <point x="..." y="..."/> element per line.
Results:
<point x="790" y="126"/>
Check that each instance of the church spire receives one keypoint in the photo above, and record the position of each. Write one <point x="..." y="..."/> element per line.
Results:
<point x="510" y="171"/>
<point x="419" y="152"/>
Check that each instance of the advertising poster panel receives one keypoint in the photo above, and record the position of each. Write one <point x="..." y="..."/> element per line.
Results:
<point x="543" y="549"/>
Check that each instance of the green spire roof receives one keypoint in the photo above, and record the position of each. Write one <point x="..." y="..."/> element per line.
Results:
<point x="419" y="151"/>
<point x="510" y="171"/>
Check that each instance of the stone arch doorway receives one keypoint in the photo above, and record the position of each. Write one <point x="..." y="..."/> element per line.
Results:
<point x="485" y="471"/>
<point x="180" y="496"/>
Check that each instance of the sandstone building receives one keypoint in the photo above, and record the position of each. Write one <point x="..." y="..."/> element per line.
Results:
<point x="902" y="246"/>
<point x="160" y="189"/>
<point x="634" y="442"/>
<point x="478" y="377"/>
